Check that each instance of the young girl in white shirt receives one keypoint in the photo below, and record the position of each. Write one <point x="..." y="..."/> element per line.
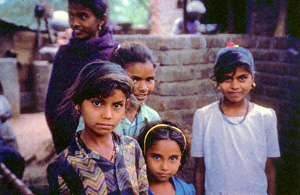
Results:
<point x="234" y="140"/>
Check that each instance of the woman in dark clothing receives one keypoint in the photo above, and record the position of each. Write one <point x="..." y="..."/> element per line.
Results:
<point x="91" y="40"/>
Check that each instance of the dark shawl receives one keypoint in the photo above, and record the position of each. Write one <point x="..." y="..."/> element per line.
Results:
<point x="68" y="62"/>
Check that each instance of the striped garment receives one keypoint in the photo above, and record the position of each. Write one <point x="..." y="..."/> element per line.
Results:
<point x="79" y="170"/>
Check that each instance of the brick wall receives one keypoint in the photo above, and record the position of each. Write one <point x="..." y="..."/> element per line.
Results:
<point x="183" y="84"/>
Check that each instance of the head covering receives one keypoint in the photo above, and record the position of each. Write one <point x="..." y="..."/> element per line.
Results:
<point x="196" y="6"/>
<point x="233" y="53"/>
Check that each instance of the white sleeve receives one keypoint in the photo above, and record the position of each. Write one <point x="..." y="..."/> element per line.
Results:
<point x="198" y="134"/>
<point x="176" y="28"/>
<point x="272" y="135"/>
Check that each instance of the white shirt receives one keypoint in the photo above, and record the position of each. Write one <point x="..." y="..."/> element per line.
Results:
<point x="235" y="155"/>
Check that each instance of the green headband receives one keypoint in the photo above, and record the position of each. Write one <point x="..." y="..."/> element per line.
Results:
<point x="163" y="125"/>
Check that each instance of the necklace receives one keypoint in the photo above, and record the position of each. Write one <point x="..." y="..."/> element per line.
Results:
<point x="135" y="129"/>
<point x="226" y="118"/>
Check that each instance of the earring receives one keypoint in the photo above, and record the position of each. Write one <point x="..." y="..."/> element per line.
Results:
<point x="78" y="112"/>
<point x="217" y="86"/>
<point x="253" y="85"/>
<point x="100" y="27"/>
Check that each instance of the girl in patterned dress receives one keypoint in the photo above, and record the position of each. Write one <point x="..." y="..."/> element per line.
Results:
<point x="99" y="160"/>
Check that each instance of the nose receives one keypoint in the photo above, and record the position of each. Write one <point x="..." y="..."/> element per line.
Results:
<point x="234" y="84"/>
<point x="73" y="22"/>
<point x="106" y="113"/>
<point x="143" y="86"/>
<point x="164" y="165"/>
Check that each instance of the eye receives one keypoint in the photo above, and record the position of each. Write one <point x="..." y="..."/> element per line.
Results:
<point x="118" y="105"/>
<point x="82" y="16"/>
<point x="242" y="78"/>
<point x="96" y="103"/>
<point x="156" y="157"/>
<point x="174" y="158"/>
<point x="150" y="79"/>
<point x="227" y="79"/>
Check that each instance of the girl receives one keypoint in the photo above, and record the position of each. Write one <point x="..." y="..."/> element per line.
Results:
<point x="99" y="160"/>
<point x="166" y="149"/>
<point x="138" y="61"/>
<point x="91" y="40"/>
<point x="234" y="140"/>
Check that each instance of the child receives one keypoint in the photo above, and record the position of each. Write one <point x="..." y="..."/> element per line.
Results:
<point x="138" y="61"/>
<point x="91" y="40"/>
<point x="99" y="160"/>
<point x="234" y="140"/>
<point x="165" y="149"/>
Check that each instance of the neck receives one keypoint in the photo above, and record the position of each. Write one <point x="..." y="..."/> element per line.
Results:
<point x="131" y="113"/>
<point x="165" y="187"/>
<point x="234" y="108"/>
<point x="94" y="141"/>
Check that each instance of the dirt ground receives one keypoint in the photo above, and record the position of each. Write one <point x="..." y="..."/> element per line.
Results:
<point x="36" y="146"/>
<point x="31" y="131"/>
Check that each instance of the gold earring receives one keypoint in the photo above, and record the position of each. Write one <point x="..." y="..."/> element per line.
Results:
<point x="217" y="86"/>
<point x="253" y="85"/>
<point x="100" y="27"/>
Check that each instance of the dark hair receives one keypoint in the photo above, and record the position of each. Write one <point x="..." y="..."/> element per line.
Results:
<point x="164" y="133"/>
<point x="99" y="78"/>
<point x="98" y="7"/>
<point x="128" y="53"/>
<point x="227" y="62"/>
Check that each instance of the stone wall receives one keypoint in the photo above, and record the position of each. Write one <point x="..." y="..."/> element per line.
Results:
<point x="183" y="84"/>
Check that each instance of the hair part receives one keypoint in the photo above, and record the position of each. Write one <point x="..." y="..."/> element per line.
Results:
<point x="164" y="133"/>
<point x="97" y="79"/>
<point x="98" y="7"/>
<point x="128" y="53"/>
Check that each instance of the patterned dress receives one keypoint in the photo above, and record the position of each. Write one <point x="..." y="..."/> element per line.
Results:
<point x="79" y="170"/>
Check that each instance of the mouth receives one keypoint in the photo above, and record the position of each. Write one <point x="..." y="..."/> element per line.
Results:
<point x="104" y="126"/>
<point x="234" y="93"/>
<point x="163" y="175"/>
<point x="141" y="97"/>
<point x="77" y="32"/>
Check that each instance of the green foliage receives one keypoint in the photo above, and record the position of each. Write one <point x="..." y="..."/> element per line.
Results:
<point x="133" y="11"/>
<point x="21" y="12"/>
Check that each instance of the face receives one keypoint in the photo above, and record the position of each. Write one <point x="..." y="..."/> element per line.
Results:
<point x="143" y="75"/>
<point x="163" y="160"/>
<point x="236" y="87"/>
<point x="102" y="115"/>
<point x="83" y="22"/>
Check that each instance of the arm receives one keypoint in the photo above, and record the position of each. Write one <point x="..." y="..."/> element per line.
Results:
<point x="200" y="175"/>
<point x="271" y="176"/>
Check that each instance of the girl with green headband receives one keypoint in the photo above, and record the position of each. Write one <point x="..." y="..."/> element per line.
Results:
<point x="165" y="149"/>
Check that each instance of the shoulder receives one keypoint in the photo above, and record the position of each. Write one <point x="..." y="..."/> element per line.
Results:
<point x="149" y="113"/>
<point x="124" y="139"/>
<point x="263" y="111"/>
<point x="182" y="187"/>
<point x="59" y="163"/>
<point x="211" y="108"/>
